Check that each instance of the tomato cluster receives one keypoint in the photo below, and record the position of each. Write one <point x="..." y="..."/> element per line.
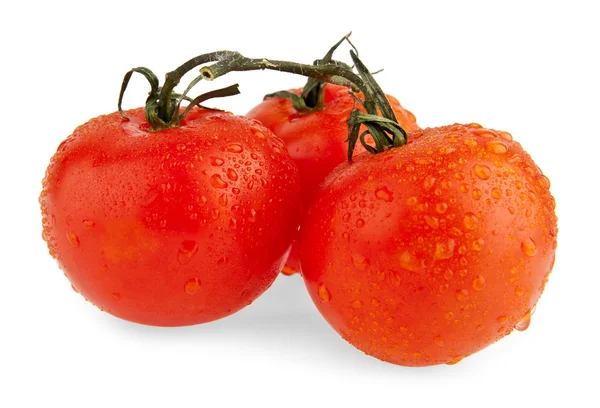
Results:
<point x="423" y="253"/>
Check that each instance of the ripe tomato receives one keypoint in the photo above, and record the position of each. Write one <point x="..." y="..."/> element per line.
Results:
<point x="174" y="227"/>
<point x="427" y="253"/>
<point x="317" y="140"/>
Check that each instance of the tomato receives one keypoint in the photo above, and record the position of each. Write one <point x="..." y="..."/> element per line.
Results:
<point x="317" y="140"/>
<point x="427" y="253"/>
<point x="174" y="227"/>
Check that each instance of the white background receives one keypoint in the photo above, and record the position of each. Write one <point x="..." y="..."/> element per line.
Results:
<point x="530" y="68"/>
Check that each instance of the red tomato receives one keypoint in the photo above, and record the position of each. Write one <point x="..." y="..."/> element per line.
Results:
<point x="427" y="253"/>
<point x="317" y="141"/>
<point x="174" y="227"/>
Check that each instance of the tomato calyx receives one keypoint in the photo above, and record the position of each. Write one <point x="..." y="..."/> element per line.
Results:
<point x="152" y="106"/>
<point x="163" y="105"/>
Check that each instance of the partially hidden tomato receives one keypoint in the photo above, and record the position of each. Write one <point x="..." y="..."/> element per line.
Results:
<point x="427" y="253"/>
<point x="316" y="140"/>
<point x="173" y="227"/>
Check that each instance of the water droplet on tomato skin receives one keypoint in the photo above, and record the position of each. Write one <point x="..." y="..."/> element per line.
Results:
<point x="455" y="360"/>
<point x="444" y="250"/>
<point x="462" y="295"/>
<point x="216" y="161"/>
<point x="88" y="224"/>
<point x="496" y="147"/>
<point x="482" y="171"/>
<point x="384" y="194"/>
<point x="470" y="221"/>
<point x="232" y="174"/>
<point x="357" y="304"/>
<point x="528" y="247"/>
<point x="192" y="286"/>
<point x="324" y="294"/>
<point x="234" y="148"/>
<point x="478" y="283"/>
<point x="217" y="182"/>
<point x="478" y="244"/>
<point x="360" y="261"/>
<point x="524" y="323"/>
<point x="187" y="250"/>
<point x="73" y="239"/>
<point x="116" y="296"/>
<point x="360" y="223"/>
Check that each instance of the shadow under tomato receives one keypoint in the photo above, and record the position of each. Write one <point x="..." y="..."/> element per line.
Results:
<point x="282" y="319"/>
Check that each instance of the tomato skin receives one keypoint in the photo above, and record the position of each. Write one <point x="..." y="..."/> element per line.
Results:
<point x="427" y="253"/>
<point x="317" y="141"/>
<point x="175" y="227"/>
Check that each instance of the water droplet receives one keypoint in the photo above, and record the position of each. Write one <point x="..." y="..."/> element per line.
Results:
<point x="476" y="193"/>
<point x="433" y="222"/>
<point x="470" y="221"/>
<point x="346" y="217"/>
<point x="411" y="201"/>
<point x="524" y="323"/>
<point x="187" y="250"/>
<point x="88" y="224"/>
<point x="438" y="340"/>
<point x="233" y="223"/>
<point x="324" y="294"/>
<point x="470" y="142"/>
<point x="116" y="296"/>
<point x="544" y="182"/>
<point x="375" y="302"/>
<point x="449" y="315"/>
<point x="496" y="147"/>
<point x="384" y="194"/>
<point x="441" y="208"/>
<point x="528" y="247"/>
<point x="408" y="261"/>
<point x="192" y="286"/>
<point x="150" y="197"/>
<point x="479" y="283"/>
<point x="444" y="250"/>
<point x="447" y="150"/>
<point x="429" y="182"/>
<point x="234" y="148"/>
<point x="455" y="360"/>
<point x="519" y="291"/>
<point x="74" y="289"/>
<point x="482" y="171"/>
<point x="496" y="193"/>
<point x="448" y="274"/>
<point x="443" y="288"/>
<point x="462" y="295"/>
<point x="214" y="213"/>
<point x="252" y="216"/>
<point x="357" y="304"/>
<point x="360" y="223"/>
<point x="215" y="161"/>
<point x="478" y="244"/>
<point x="501" y="319"/>
<point x="217" y="182"/>
<point x="73" y="239"/>
<point x="360" y="261"/>
<point x="232" y="174"/>
<point x="202" y="200"/>
<point x="223" y="200"/>
<point x="223" y="260"/>
<point x="346" y="236"/>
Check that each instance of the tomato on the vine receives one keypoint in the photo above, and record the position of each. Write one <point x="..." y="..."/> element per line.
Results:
<point x="427" y="253"/>
<point x="316" y="140"/>
<point x="171" y="227"/>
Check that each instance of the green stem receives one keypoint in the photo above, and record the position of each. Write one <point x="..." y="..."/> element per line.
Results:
<point x="163" y="104"/>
